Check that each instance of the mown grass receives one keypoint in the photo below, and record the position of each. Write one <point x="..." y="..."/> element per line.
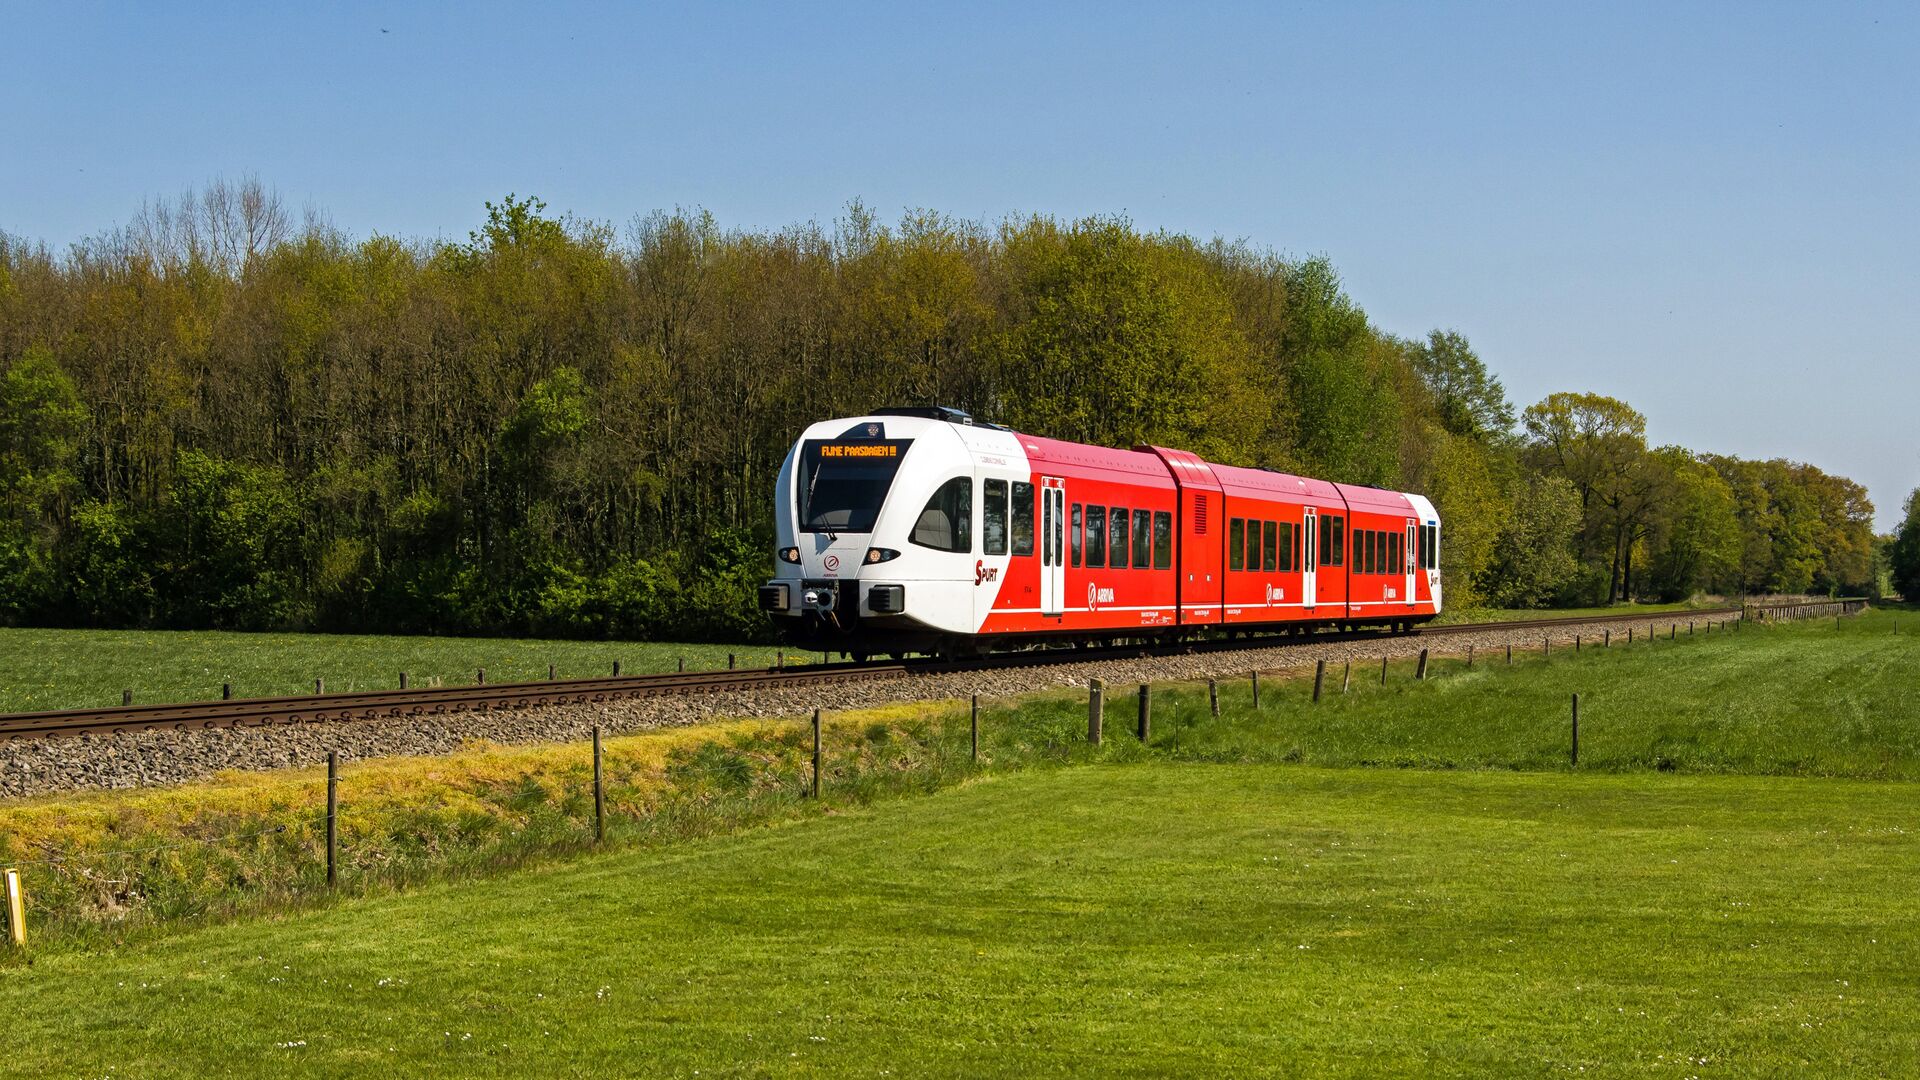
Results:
<point x="1821" y="698"/>
<point x="77" y="669"/>
<point x="1825" y="698"/>
<point x="1126" y="919"/>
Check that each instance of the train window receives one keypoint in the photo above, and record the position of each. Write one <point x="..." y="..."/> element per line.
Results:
<point x="1162" y="540"/>
<point x="1363" y="554"/>
<point x="1236" y="544"/>
<point x="993" y="517"/>
<point x="1253" y="545"/>
<point x="1299" y="537"/>
<point x="1023" y="519"/>
<point x="1329" y="540"/>
<point x="1268" y="532"/>
<point x="1096" y="536"/>
<point x="946" y="523"/>
<point x="1396" y="553"/>
<point x="1430" y="547"/>
<point x="1142" y="538"/>
<point x="1118" y="536"/>
<point x="843" y="485"/>
<point x="1074" y="533"/>
<point x="1284" y="559"/>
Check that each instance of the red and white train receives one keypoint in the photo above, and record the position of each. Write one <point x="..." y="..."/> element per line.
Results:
<point x="922" y="530"/>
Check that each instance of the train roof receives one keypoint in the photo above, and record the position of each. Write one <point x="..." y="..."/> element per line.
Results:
<point x="1140" y="466"/>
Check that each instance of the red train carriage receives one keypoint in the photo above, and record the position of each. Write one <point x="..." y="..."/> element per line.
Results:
<point x="921" y="530"/>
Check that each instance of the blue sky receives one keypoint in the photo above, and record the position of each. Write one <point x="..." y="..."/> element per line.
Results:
<point x="1712" y="211"/>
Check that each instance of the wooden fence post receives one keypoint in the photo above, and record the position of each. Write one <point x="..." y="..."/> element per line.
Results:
<point x="1509" y="654"/>
<point x="226" y="691"/>
<point x="126" y="697"/>
<point x="1576" y="644"/>
<point x="1096" y="711"/>
<point x="1255" y="676"/>
<point x="680" y="666"/>
<point x="1146" y="713"/>
<point x="16" y="909"/>
<point x="1421" y="672"/>
<point x="616" y="667"/>
<point x="1319" y="677"/>
<point x="1546" y="646"/>
<point x="1213" y="696"/>
<point x="403" y="680"/>
<point x="816" y="753"/>
<point x="1469" y="658"/>
<point x="1606" y="639"/>
<point x="480" y="677"/>
<point x="974" y="722"/>
<point x="1383" y="671"/>
<point x="729" y="661"/>
<point x="1575" y="759"/>
<point x="333" y="817"/>
<point x="1346" y="681"/>
<point x="599" y="791"/>
<point x="550" y="673"/>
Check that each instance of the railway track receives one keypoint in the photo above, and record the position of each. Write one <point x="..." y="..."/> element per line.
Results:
<point x="430" y="701"/>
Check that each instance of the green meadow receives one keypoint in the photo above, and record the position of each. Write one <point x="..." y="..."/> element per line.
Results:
<point x="1409" y="879"/>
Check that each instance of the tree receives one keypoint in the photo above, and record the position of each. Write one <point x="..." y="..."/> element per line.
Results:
<point x="1119" y="341"/>
<point x="1470" y="400"/>
<point x="1534" y="556"/>
<point x="1475" y="511"/>
<point x="1600" y="445"/>
<point x="1693" y="532"/>
<point x="1904" y="555"/>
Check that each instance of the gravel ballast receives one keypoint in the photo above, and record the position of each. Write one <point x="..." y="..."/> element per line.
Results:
<point x="150" y="758"/>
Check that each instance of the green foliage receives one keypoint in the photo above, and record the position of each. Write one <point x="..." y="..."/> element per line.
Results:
<point x="1121" y="339"/>
<point x="553" y="427"/>
<point x="1903" y="555"/>
<point x="1533" y="559"/>
<point x="1469" y="399"/>
<point x="1477" y="513"/>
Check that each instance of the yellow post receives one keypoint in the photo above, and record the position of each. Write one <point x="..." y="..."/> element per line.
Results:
<point x="16" y="910"/>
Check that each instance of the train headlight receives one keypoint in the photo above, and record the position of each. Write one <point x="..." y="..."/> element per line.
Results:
<point x="880" y="555"/>
<point x="790" y="555"/>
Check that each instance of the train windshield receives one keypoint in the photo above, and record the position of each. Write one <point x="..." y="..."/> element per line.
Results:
<point x="843" y="482"/>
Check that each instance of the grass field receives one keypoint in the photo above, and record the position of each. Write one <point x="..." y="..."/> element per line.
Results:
<point x="1144" y="919"/>
<point x="1406" y="879"/>
<point x="75" y="669"/>
<point x="78" y="669"/>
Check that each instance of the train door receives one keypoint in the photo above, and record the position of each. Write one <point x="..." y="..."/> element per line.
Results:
<point x="1053" y="544"/>
<point x="1309" y="560"/>
<point x="1412" y="560"/>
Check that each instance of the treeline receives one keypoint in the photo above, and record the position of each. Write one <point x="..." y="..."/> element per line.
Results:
<point x="218" y="417"/>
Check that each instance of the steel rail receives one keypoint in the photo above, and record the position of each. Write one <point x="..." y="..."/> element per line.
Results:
<point x="443" y="700"/>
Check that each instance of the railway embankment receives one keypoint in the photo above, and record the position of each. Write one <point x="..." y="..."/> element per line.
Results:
<point x="162" y="756"/>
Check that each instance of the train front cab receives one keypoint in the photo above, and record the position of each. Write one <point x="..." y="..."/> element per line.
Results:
<point x="879" y="529"/>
